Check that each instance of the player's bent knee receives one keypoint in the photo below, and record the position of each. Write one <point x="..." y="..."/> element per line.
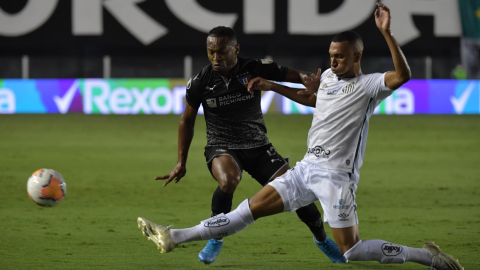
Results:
<point x="229" y="184"/>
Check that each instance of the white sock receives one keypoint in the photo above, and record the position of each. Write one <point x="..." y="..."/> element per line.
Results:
<point x="420" y="255"/>
<point x="385" y="252"/>
<point x="185" y="235"/>
<point x="378" y="250"/>
<point x="217" y="226"/>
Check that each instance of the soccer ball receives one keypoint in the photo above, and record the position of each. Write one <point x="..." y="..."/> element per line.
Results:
<point x="46" y="187"/>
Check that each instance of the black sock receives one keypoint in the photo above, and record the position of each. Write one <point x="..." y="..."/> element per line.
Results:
<point x="313" y="219"/>
<point x="221" y="202"/>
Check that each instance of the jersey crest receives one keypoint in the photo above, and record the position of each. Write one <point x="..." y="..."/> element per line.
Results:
<point x="244" y="79"/>
<point x="349" y="87"/>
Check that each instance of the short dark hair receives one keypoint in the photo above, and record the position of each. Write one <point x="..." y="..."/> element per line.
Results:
<point x="223" y="31"/>
<point x="352" y="38"/>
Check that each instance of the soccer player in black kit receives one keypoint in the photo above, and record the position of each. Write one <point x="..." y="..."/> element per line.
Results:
<point x="236" y="132"/>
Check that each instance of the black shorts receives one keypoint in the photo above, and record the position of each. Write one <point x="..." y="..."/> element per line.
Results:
<point x="262" y="163"/>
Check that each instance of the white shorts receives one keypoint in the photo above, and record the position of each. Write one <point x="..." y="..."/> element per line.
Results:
<point x="306" y="183"/>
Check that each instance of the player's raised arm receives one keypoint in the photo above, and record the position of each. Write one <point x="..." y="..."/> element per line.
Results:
<point x="401" y="74"/>
<point x="185" y="136"/>
<point x="291" y="93"/>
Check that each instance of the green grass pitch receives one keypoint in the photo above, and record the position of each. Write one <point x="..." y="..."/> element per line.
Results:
<point x="420" y="181"/>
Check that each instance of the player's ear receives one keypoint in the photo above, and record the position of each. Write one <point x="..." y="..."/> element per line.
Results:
<point x="358" y="56"/>
<point x="237" y="49"/>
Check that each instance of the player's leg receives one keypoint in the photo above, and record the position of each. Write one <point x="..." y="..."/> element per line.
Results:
<point x="226" y="170"/>
<point x="338" y="201"/>
<point x="348" y="240"/>
<point x="266" y="202"/>
<point x="336" y="192"/>
<point x="228" y="175"/>
<point x="278" y="196"/>
<point x="310" y="215"/>
<point x="265" y="164"/>
<point x="343" y="220"/>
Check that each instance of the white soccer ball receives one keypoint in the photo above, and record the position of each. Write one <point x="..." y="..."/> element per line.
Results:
<point x="46" y="187"/>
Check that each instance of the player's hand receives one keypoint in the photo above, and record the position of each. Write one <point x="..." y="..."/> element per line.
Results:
<point x="311" y="84"/>
<point x="259" y="84"/>
<point x="382" y="19"/>
<point x="176" y="174"/>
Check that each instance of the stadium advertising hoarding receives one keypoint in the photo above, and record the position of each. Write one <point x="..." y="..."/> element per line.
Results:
<point x="167" y="96"/>
<point x="103" y="26"/>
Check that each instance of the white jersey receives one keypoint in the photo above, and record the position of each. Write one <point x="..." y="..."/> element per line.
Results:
<point x="338" y="135"/>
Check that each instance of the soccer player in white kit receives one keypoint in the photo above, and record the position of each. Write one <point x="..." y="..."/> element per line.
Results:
<point x="344" y="99"/>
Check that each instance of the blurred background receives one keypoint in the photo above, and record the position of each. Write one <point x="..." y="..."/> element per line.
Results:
<point x="151" y="39"/>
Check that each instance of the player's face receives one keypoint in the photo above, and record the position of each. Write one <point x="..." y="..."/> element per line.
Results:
<point x="342" y="59"/>
<point x="222" y="54"/>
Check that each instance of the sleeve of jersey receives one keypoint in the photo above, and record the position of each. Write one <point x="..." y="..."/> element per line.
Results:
<point x="323" y="76"/>
<point x="376" y="88"/>
<point x="194" y="93"/>
<point x="270" y="70"/>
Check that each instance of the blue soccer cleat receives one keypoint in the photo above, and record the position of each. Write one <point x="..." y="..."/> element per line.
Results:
<point x="330" y="249"/>
<point x="210" y="252"/>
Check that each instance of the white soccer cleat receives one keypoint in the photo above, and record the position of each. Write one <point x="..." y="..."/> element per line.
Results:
<point x="158" y="234"/>
<point x="440" y="259"/>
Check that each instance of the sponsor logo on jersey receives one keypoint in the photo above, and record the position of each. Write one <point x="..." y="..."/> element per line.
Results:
<point x="348" y="88"/>
<point x="332" y="92"/>
<point x="341" y="205"/>
<point x="390" y="249"/>
<point x="211" y="102"/>
<point x="217" y="222"/>
<point x="266" y="61"/>
<point x="232" y="98"/>
<point x="319" y="151"/>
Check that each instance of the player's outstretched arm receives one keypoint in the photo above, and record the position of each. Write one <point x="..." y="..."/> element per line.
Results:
<point x="291" y="93"/>
<point x="311" y="82"/>
<point x="297" y="76"/>
<point x="401" y="74"/>
<point x="185" y="136"/>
